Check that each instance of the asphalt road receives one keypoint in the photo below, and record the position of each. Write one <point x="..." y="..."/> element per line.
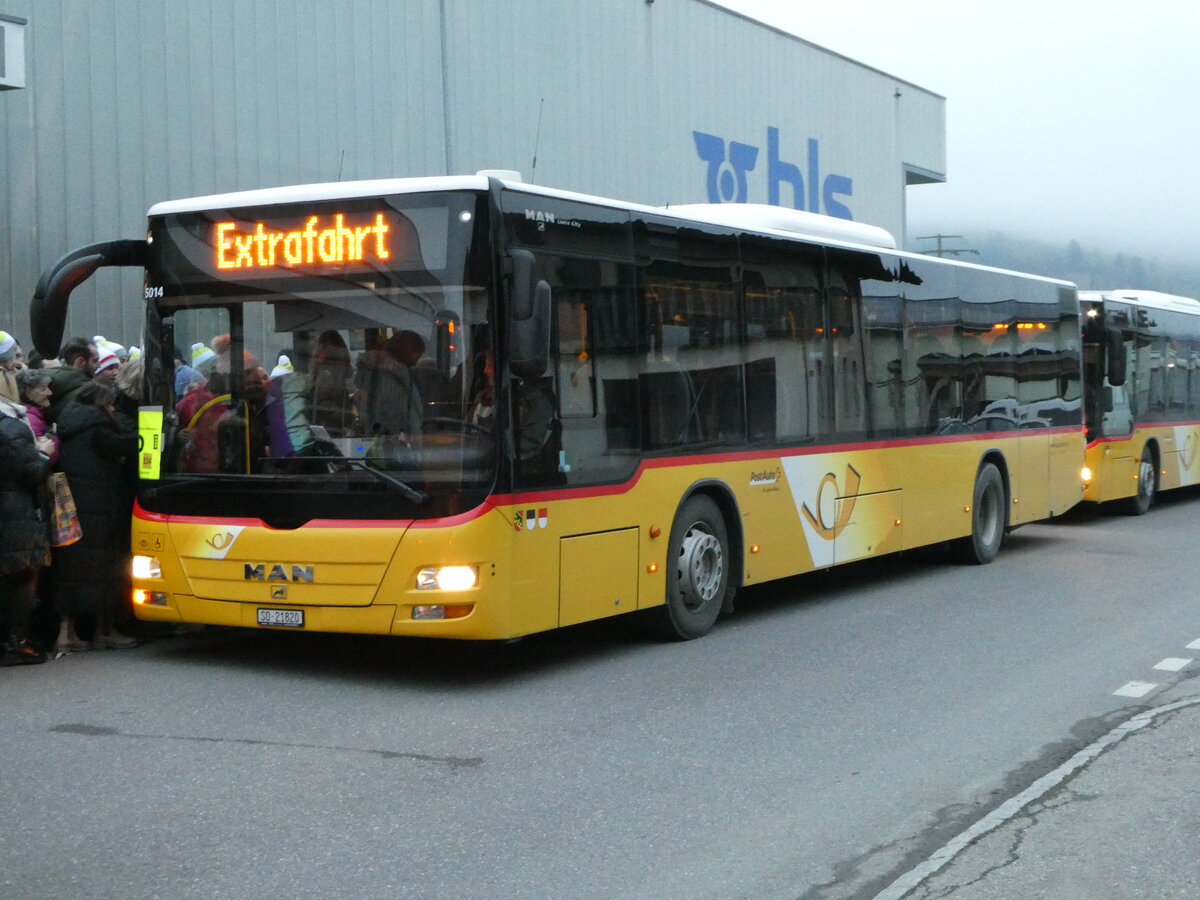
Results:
<point x="818" y="744"/>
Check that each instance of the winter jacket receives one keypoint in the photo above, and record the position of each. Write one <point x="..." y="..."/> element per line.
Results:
<point x="88" y="575"/>
<point x="41" y="427"/>
<point x="65" y="382"/>
<point x="24" y="525"/>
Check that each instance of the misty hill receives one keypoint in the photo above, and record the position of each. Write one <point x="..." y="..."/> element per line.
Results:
<point x="1090" y="269"/>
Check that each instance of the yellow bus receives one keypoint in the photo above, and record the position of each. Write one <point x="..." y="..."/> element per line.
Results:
<point x="1142" y="390"/>
<point x="507" y="408"/>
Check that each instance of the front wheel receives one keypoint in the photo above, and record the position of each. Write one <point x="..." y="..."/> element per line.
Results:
<point x="1139" y="504"/>
<point x="988" y="518"/>
<point x="697" y="572"/>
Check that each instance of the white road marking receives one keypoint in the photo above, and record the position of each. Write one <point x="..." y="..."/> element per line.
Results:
<point x="1172" y="664"/>
<point x="1135" y="689"/>
<point x="1194" y="645"/>
<point x="1014" y="805"/>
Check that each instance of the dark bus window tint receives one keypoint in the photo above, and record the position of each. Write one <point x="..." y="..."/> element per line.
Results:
<point x="565" y="226"/>
<point x="691" y="383"/>
<point x="883" y="329"/>
<point x="784" y="326"/>
<point x="862" y="343"/>
<point x="933" y="368"/>
<point x="594" y="437"/>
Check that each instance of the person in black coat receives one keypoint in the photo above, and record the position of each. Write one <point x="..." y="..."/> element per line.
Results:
<point x="89" y="574"/>
<point x="24" y="530"/>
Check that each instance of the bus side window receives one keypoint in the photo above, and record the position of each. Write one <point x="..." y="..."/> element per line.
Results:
<point x="595" y="372"/>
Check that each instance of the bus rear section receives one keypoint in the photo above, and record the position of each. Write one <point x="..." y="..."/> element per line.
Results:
<point x="1142" y="356"/>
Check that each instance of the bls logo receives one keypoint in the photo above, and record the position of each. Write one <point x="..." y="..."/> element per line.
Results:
<point x="726" y="177"/>
<point x="830" y="530"/>
<point x="727" y="181"/>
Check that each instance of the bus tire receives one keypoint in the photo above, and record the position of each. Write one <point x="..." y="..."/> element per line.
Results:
<point x="1139" y="504"/>
<point x="697" y="572"/>
<point x="988" y="519"/>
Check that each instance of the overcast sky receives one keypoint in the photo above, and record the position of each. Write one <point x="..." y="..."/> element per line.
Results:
<point x="1064" y="118"/>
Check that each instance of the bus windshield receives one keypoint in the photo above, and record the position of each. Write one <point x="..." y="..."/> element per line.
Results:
<point x="333" y="356"/>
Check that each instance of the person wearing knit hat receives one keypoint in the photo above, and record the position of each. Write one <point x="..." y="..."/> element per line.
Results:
<point x="102" y="343"/>
<point x="9" y="365"/>
<point x="201" y="355"/>
<point x="8" y="347"/>
<point x="187" y="378"/>
<point x="283" y="367"/>
<point x="107" y="367"/>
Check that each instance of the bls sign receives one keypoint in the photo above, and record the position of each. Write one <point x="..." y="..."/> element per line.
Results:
<point x="728" y="167"/>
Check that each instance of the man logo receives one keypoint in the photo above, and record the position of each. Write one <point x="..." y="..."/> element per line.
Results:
<point x="278" y="572"/>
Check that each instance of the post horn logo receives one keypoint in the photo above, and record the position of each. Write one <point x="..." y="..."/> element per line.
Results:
<point x="1188" y="454"/>
<point x="829" y="531"/>
<point x="220" y="541"/>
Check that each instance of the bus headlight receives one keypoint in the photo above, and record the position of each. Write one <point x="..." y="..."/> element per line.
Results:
<point x="447" y="578"/>
<point x="146" y="567"/>
<point x="1085" y="474"/>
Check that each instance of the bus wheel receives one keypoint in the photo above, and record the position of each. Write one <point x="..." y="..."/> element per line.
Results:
<point x="697" y="571"/>
<point x="987" y="519"/>
<point x="1139" y="503"/>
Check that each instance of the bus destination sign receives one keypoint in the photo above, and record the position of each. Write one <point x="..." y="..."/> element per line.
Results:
<point x="318" y="242"/>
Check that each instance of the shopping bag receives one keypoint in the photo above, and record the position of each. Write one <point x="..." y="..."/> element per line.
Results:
<point x="64" y="526"/>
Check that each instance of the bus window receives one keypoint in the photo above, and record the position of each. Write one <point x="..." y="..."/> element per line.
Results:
<point x="594" y="435"/>
<point x="784" y="325"/>
<point x="691" y="383"/>
<point x="932" y="350"/>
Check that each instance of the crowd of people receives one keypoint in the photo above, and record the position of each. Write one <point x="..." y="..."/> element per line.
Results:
<point x="77" y="415"/>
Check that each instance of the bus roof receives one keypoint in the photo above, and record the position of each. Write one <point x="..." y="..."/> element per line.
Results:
<point x="1148" y="299"/>
<point x="756" y="217"/>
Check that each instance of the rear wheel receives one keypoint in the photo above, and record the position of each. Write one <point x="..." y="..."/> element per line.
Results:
<point x="1139" y="504"/>
<point x="697" y="571"/>
<point x="988" y="518"/>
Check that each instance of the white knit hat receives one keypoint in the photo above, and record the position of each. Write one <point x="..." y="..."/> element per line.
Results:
<point x="283" y="367"/>
<point x="107" y="360"/>
<point x="134" y="353"/>
<point x="201" y="354"/>
<point x="102" y="343"/>
<point x="8" y="346"/>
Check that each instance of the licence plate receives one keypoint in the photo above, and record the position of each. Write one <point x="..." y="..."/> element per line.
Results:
<point x="287" y="618"/>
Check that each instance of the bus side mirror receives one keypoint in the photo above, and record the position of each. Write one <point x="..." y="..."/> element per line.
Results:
<point x="1115" y="353"/>
<point x="48" y="308"/>
<point x="528" y="319"/>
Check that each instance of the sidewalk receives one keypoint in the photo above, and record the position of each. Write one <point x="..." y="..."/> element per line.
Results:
<point x="1120" y="821"/>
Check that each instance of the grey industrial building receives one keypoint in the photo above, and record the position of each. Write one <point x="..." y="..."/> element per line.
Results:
<point x="108" y="106"/>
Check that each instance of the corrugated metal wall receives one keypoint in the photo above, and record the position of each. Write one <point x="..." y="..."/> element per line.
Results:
<point x="134" y="101"/>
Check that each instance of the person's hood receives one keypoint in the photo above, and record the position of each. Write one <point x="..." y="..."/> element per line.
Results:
<point x="76" y="418"/>
<point x="64" y="379"/>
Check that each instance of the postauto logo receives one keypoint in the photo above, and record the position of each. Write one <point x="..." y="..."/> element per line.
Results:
<point x="729" y="165"/>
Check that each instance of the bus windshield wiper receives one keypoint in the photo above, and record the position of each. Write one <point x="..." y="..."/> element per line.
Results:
<point x="178" y="483"/>
<point x="411" y="493"/>
<point x="321" y="439"/>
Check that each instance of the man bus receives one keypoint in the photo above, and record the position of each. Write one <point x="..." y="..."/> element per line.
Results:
<point x="623" y="408"/>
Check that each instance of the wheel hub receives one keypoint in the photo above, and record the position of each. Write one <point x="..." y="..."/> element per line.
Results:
<point x="701" y="567"/>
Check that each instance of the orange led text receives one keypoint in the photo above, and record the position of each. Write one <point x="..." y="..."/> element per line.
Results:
<point x="313" y="245"/>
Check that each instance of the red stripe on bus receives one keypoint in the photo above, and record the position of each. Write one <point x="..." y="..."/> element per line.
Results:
<point x="1142" y="429"/>
<point x="604" y="490"/>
